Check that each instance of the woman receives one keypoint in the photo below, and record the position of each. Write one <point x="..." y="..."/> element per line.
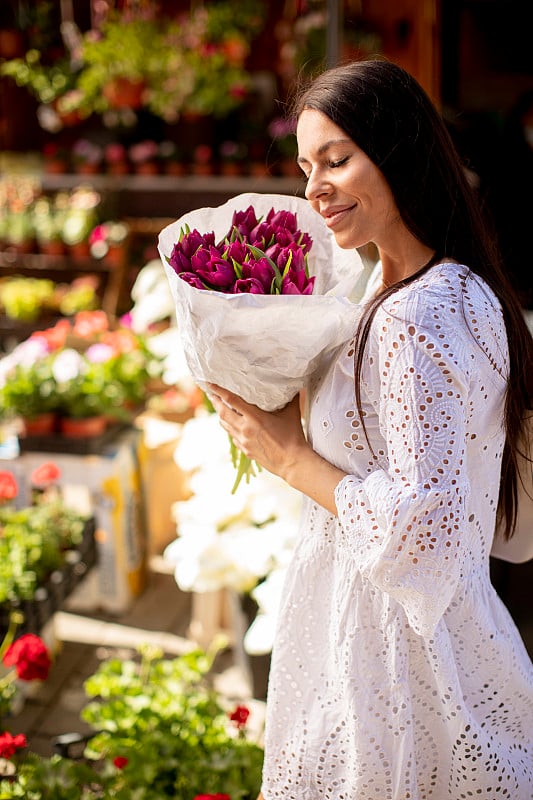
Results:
<point x="397" y="672"/>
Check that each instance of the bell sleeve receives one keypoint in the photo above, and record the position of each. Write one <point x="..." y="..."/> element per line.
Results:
<point x="404" y="525"/>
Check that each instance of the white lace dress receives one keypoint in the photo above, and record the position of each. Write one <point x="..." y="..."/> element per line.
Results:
<point x="397" y="672"/>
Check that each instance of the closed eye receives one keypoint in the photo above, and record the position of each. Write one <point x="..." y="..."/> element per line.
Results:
<point x="339" y="163"/>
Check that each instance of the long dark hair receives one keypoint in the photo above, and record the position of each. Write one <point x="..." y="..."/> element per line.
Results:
<point x="388" y="115"/>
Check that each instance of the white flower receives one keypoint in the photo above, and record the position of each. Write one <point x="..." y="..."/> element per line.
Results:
<point x="67" y="365"/>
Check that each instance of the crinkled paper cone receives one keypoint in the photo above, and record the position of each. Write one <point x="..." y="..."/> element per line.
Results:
<point x="264" y="348"/>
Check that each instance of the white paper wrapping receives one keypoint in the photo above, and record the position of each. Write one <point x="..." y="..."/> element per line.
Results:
<point x="264" y="348"/>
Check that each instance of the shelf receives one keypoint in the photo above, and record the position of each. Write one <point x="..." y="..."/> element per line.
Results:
<point x="168" y="195"/>
<point x="197" y="184"/>
<point x="62" y="268"/>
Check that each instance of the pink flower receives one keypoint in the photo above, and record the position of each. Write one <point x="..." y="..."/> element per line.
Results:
<point x="46" y="474"/>
<point x="8" y="486"/>
<point x="217" y="796"/>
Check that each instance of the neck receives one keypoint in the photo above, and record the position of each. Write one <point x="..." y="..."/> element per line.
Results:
<point x="394" y="273"/>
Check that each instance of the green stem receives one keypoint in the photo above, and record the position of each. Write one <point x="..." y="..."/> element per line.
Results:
<point x="15" y="619"/>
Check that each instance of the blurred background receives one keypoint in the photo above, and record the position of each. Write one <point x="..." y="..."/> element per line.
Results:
<point x="117" y="117"/>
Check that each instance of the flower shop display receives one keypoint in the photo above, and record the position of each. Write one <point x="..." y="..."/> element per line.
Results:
<point x="136" y="58"/>
<point x="46" y="547"/>
<point x="264" y="347"/>
<point x="161" y="730"/>
<point x="79" y="369"/>
<point x="87" y="156"/>
<point x="27" y="299"/>
<point x="109" y="240"/>
<point x="144" y="156"/>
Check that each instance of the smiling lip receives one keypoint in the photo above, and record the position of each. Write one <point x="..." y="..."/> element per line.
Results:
<point x="334" y="215"/>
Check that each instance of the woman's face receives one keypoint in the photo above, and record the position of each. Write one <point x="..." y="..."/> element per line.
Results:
<point x="343" y="185"/>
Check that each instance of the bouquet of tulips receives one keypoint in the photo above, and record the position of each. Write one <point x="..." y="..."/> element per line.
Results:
<point x="261" y="292"/>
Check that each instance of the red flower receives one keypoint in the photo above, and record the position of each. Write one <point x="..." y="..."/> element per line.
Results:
<point x="120" y="762"/>
<point x="212" y="797"/>
<point x="30" y="657"/>
<point x="8" y="486"/>
<point x="240" y="716"/>
<point x="10" y="744"/>
<point x="46" y="474"/>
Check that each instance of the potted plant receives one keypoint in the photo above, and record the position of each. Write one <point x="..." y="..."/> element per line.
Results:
<point x="164" y="732"/>
<point x="28" y="388"/>
<point x="144" y="156"/>
<point x="80" y="218"/>
<point x="116" y="158"/>
<point x="109" y="240"/>
<point x="48" y="218"/>
<point x="87" y="156"/>
<point x="232" y="155"/>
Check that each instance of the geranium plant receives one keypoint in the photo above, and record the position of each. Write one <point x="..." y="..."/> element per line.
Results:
<point x="34" y="541"/>
<point x="163" y="732"/>
<point x="78" y="368"/>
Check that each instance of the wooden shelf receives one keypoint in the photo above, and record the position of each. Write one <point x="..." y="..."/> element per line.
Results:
<point x="63" y="268"/>
<point x="168" y="195"/>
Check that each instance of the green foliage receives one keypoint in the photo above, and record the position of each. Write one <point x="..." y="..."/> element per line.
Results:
<point x="30" y="389"/>
<point x="169" y="727"/>
<point x="33" y="542"/>
<point x="166" y="719"/>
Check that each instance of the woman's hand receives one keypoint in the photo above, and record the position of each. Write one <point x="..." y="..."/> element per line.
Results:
<point x="276" y="441"/>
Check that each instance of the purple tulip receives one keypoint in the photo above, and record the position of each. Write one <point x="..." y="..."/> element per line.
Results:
<point x="282" y="219"/>
<point x="248" y="286"/>
<point x="262" y="235"/>
<point x="209" y="265"/>
<point x="236" y="251"/>
<point x="304" y="241"/>
<point x="192" y="279"/>
<point x="297" y="282"/>
<point x="244" y="221"/>
<point x="184" y="250"/>
<point x="261" y="271"/>
<point x="297" y="258"/>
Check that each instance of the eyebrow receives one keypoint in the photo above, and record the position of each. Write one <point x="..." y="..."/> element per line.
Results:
<point x="322" y="149"/>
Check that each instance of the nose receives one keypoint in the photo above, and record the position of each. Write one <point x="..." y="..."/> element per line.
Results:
<point x="316" y="186"/>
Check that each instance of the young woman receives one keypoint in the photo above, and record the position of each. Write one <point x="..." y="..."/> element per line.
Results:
<point x="397" y="672"/>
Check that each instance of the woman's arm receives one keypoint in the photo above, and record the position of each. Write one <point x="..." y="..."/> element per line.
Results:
<point x="276" y="441"/>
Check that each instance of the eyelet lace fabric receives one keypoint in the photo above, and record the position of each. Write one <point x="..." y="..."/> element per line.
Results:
<point x="397" y="672"/>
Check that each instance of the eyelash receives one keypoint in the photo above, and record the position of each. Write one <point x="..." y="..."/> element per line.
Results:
<point x="330" y="165"/>
<point x="339" y="163"/>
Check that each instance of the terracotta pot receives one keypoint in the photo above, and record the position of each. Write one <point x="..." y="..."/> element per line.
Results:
<point x="11" y="43"/>
<point x="55" y="166"/>
<point x="118" y="168"/>
<point x="42" y="425"/>
<point x="79" y="251"/>
<point x="54" y="248"/>
<point x="88" y="169"/>
<point x="83" y="428"/>
<point x="175" y="168"/>
<point x="259" y="169"/>
<point x="147" y="168"/>
<point x="124" y="93"/>
<point x="231" y="168"/>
